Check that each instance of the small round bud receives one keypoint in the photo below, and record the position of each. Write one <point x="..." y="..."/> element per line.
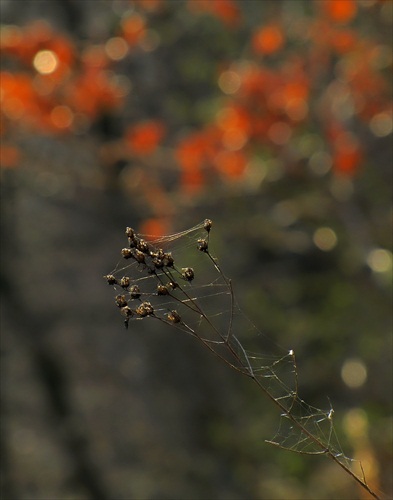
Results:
<point x="126" y="253"/>
<point x="135" y="292"/>
<point x="126" y="311"/>
<point x="174" y="317"/>
<point x="145" y="309"/>
<point x="202" y="245"/>
<point x="207" y="225"/>
<point x="125" y="282"/>
<point x="162" y="290"/>
<point x="121" y="301"/>
<point x="168" y="260"/>
<point x="110" y="279"/>
<point x="130" y="233"/>
<point x="139" y="256"/>
<point x="143" y="246"/>
<point x="188" y="273"/>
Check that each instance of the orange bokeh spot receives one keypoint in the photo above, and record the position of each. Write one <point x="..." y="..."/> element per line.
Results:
<point x="228" y="12"/>
<point x="225" y="10"/>
<point x="198" y="149"/>
<point x="17" y="96"/>
<point x="234" y="117"/>
<point x="268" y="40"/>
<point x="341" y="11"/>
<point x="347" y="154"/>
<point x="62" y="117"/>
<point x="9" y="156"/>
<point x="231" y="164"/>
<point x="145" y="137"/>
<point x="192" y="181"/>
<point x="133" y="28"/>
<point x="189" y="154"/>
<point x="344" y="41"/>
<point x="11" y="39"/>
<point x="154" y="228"/>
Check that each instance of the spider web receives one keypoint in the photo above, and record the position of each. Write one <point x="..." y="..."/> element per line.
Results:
<point x="199" y="301"/>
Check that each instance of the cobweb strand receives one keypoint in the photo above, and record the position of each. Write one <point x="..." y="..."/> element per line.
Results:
<point x="150" y="283"/>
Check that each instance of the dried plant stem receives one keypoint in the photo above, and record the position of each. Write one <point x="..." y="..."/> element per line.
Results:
<point x="159" y="266"/>
<point x="247" y="371"/>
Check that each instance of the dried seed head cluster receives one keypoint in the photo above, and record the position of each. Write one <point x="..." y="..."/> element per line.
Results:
<point x="145" y="309"/>
<point x="153" y="282"/>
<point x="149" y="261"/>
<point x="203" y="245"/>
<point x="174" y="317"/>
<point x="207" y="225"/>
<point x="188" y="273"/>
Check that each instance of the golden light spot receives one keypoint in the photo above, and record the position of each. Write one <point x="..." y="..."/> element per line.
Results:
<point x="254" y="174"/>
<point x="320" y="162"/>
<point x="380" y="260"/>
<point x="355" y="423"/>
<point x="229" y="82"/>
<point x="354" y="373"/>
<point x="381" y="124"/>
<point x="62" y="116"/>
<point x="150" y="41"/>
<point x="234" y="139"/>
<point x="325" y="239"/>
<point x="296" y="109"/>
<point x="285" y="213"/>
<point x="45" y="62"/>
<point x="13" y="108"/>
<point x="116" y="48"/>
<point x="279" y="133"/>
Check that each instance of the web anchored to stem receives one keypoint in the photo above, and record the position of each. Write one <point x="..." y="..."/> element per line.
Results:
<point x="151" y="282"/>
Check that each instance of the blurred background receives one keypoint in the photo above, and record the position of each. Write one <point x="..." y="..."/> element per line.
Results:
<point x="274" y="119"/>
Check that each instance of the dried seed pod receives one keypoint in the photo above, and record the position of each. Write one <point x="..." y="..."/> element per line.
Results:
<point x="168" y="260"/>
<point x="126" y="253"/>
<point x="202" y="245"/>
<point x="125" y="282"/>
<point x="139" y="256"/>
<point x="126" y="311"/>
<point x="158" y="263"/>
<point x="121" y="300"/>
<point x="145" y="309"/>
<point x="135" y="292"/>
<point x="130" y="233"/>
<point x="110" y="279"/>
<point x="188" y="273"/>
<point x="157" y="254"/>
<point x="174" y="317"/>
<point x="207" y="225"/>
<point x="143" y="246"/>
<point x="162" y="290"/>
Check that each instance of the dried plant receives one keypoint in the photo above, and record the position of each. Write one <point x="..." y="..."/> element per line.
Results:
<point x="151" y="283"/>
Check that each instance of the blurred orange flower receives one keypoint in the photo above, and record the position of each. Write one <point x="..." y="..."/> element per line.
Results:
<point x="133" y="28"/>
<point x="145" y="137"/>
<point x="268" y="40"/>
<point x="154" y="228"/>
<point x="340" y="11"/>
<point x="192" y="181"/>
<point x="231" y="164"/>
<point x="9" y="156"/>
<point x="225" y="10"/>
<point x="347" y="153"/>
